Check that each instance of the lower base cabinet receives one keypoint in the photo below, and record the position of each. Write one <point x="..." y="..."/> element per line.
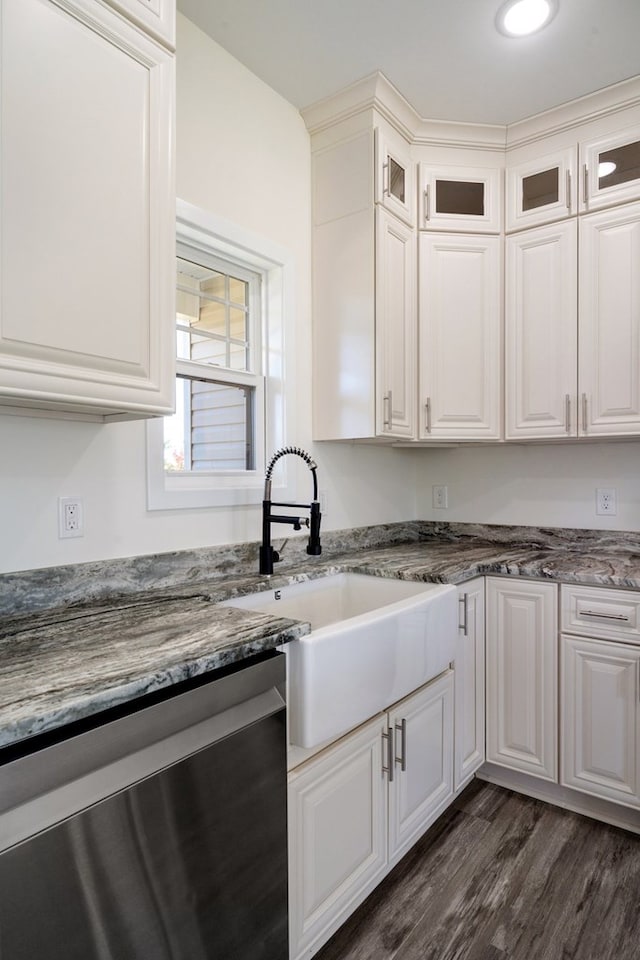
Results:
<point x="600" y="721"/>
<point x="469" y="683"/>
<point x="522" y="676"/>
<point x="357" y="807"/>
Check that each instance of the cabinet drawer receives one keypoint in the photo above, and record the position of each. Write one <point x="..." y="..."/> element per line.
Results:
<point x="598" y="612"/>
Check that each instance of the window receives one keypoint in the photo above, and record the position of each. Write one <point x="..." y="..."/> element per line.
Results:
<point x="233" y="307"/>
<point x="219" y="389"/>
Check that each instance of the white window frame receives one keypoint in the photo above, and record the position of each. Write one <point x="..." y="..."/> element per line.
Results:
<point x="203" y="232"/>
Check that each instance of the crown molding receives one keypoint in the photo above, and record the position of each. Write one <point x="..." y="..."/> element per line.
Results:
<point x="574" y="113"/>
<point x="378" y="93"/>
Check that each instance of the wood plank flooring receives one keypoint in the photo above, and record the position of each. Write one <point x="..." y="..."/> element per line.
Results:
<point x="501" y="876"/>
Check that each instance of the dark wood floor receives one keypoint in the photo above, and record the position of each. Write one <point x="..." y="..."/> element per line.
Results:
<point x="503" y="876"/>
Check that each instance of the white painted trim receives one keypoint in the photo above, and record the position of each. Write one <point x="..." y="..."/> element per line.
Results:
<point x="377" y="92"/>
<point x="208" y="232"/>
<point x="574" y="113"/>
<point x="568" y="799"/>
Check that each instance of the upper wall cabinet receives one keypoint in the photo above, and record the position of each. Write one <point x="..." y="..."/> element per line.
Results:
<point x="395" y="181"/>
<point x="542" y="189"/>
<point x="157" y="17"/>
<point x="610" y="170"/>
<point x="460" y="198"/>
<point x="395" y="327"/>
<point x="460" y="333"/>
<point x="88" y="213"/>
<point x="609" y="326"/>
<point x="541" y="332"/>
<point x="364" y="301"/>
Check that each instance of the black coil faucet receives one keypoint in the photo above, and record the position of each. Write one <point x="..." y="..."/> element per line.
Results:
<point x="268" y="555"/>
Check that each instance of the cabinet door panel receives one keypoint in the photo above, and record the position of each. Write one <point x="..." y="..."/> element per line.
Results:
<point x="542" y="189"/>
<point x="87" y="212"/>
<point x="609" y="332"/>
<point x="460" y="337"/>
<point x="541" y="332"/>
<point x="337" y="834"/>
<point x="395" y="326"/>
<point x="395" y="177"/>
<point x="157" y="17"/>
<point x="418" y="793"/>
<point x="460" y="198"/>
<point x="611" y="169"/>
<point x="522" y="676"/>
<point x="469" y="681"/>
<point x="600" y="730"/>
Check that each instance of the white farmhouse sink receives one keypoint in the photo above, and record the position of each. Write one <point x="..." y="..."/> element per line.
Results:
<point x="372" y="642"/>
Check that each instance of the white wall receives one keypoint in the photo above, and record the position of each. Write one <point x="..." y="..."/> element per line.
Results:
<point x="243" y="153"/>
<point x="539" y="484"/>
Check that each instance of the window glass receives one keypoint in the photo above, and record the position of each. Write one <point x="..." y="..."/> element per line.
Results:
<point x="619" y="165"/>
<point x="213" y="428"/>
<point x="460" y="197"/>
<point x="540" y="189"/>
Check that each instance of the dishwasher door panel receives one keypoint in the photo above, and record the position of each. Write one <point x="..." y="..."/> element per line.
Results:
<point x="187" y="864"/>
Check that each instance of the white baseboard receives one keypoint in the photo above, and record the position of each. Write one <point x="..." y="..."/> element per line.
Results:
<point x="588" y="806"/>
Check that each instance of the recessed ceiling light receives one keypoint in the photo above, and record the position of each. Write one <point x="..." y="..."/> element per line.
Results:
<point x="520" y="18"/>
<point x="605" y="168"/>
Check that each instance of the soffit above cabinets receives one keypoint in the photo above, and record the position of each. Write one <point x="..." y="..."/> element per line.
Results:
<point x="448" y="59"/>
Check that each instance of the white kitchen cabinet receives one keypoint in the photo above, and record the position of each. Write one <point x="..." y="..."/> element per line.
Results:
<point x="522" y="676"/>
<point x="364" y="301"/>
<point x="610" y="169"/>
<point x="395" y="327"/>
<point x="357" y="807"/>
<point x="337" y="810"/>
<point x="600" y="722"/>
<point x="88" y="213"/>
<point x="460" y="337"/>
<point x="541" y="333"/>
<point x="469" y="684"/>
<point x="395" y="181"/>
<point x="460" y="198"/>
<point x="421" y="727"/>
<point x="541" y="189"/>
<point x="609" y="331"/>
<point x="574" y="371"/>
<point x="157" y="17"/>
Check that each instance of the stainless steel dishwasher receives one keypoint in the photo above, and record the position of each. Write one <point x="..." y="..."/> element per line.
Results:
<point x="158" y="836"/>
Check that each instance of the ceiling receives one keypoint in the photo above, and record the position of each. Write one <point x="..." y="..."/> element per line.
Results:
<point x="446" y="58"/>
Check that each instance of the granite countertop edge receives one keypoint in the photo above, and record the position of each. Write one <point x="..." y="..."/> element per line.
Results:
<point x="67" y="664"/>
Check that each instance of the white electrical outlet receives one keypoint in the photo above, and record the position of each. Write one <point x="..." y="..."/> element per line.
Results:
<point x="440" y="497"/>
<point x="323" y="502"/>
<point x="70" y="517"/>
<point x="606" y="502"/>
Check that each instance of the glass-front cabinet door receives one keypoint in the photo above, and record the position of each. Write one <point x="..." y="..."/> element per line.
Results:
<point x="610" y="170"/>
<point x="395" y="176"/>
<point x="542" y="190"/>
<point x="460" y="198"/>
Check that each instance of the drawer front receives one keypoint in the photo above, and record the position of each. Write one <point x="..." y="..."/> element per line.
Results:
<point x="599" y="612"/>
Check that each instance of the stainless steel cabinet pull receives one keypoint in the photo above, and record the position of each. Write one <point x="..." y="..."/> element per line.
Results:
<point x="584" y="412"/>
<point x="427" y="407"/>
<point x="426" y="204"/>
<point x="388" y="736"/>
<point x="464" y="626"/>
<point x="388" y="400"/>
<point x="605" y="616"/>
<point x="585" y="184"/>
<point x="567" y="412"/>
<point x="386" y="179"/>
<point x="402" y="759"/>
<point x="568" y="189"/>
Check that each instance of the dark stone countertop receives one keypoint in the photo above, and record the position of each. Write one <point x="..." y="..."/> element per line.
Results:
<point x="71" y="662"/>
